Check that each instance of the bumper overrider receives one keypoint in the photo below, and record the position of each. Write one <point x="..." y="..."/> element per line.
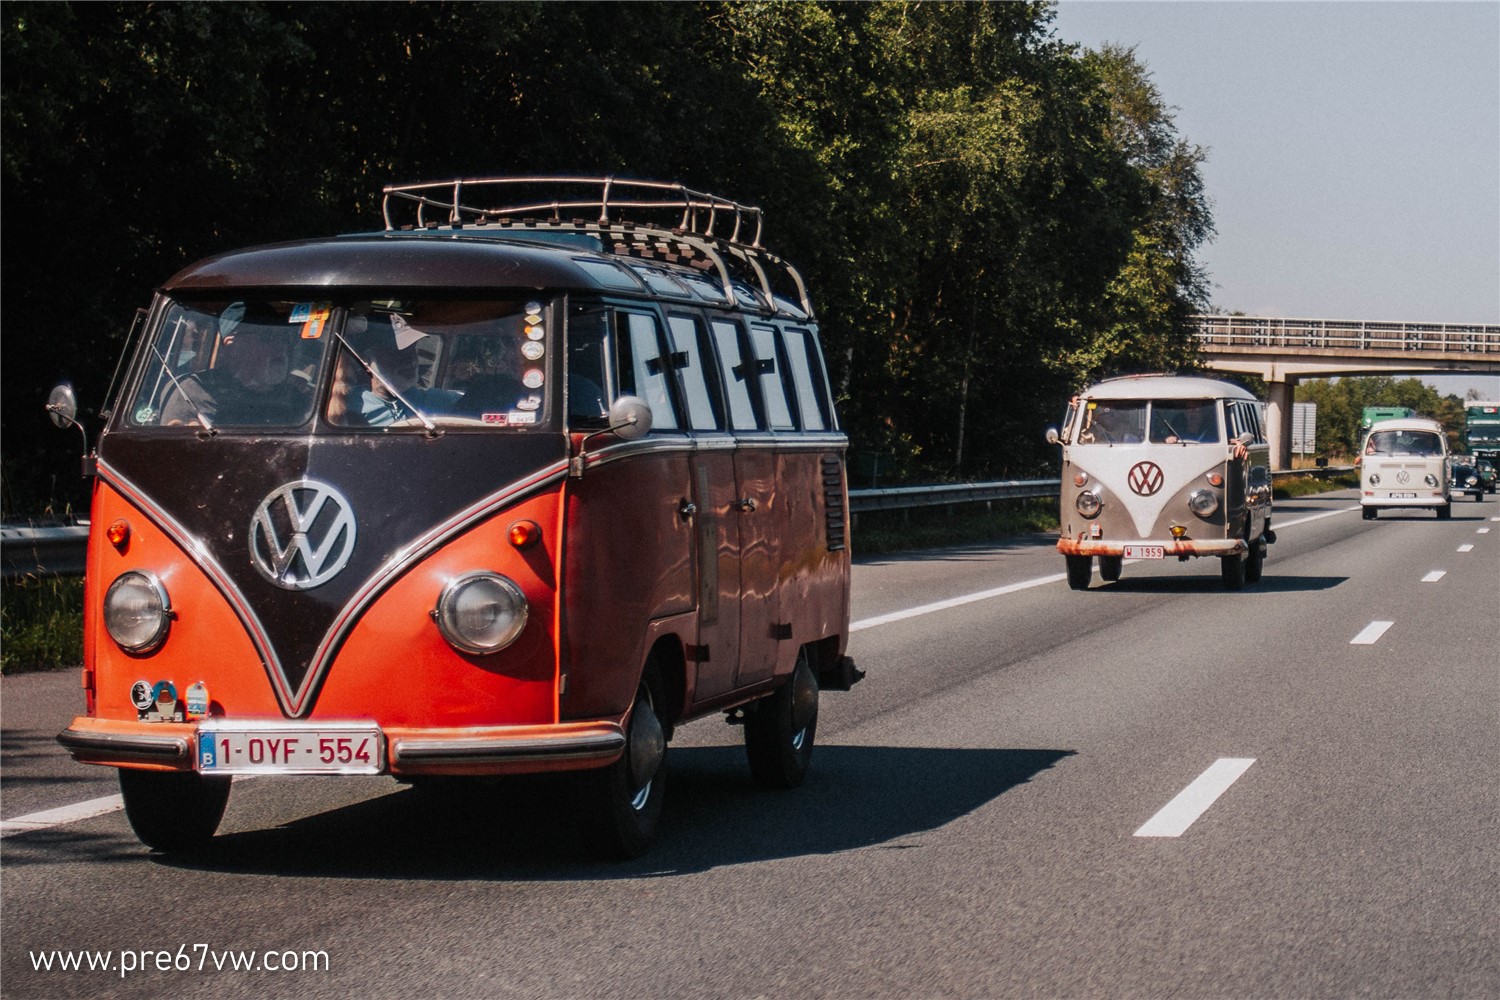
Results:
<point x="1181" y="547"/>
<point x="407" y="751"/>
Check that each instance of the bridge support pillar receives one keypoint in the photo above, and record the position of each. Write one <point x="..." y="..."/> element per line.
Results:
<point x="1279" y="422"/>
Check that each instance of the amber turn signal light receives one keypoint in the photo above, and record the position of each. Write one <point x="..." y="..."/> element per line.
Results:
<point x="524" y="534"/>
<point x="118" y="534"/>
<point x="1178" y="530"/>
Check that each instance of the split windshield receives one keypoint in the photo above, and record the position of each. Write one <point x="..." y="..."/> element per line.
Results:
<point x="1424" y="444"/>
<point x="381" y="363"/>
<point x="1157" y="421"/>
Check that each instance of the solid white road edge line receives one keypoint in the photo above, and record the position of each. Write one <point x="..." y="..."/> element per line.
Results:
<point x="62" y="814"/>
<point x="1370" y="634"/>
<point x="984" y="595"/>
<point x="1193" y="801"/>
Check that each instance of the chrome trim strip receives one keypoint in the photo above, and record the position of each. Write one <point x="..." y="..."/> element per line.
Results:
<point x="502" y="751"/>
<point x="120" y="745"/>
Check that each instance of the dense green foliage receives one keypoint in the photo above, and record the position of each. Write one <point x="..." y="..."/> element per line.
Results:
<point x="987" y="218"/>
<point x="1341" y="403"/>
<point x="41" y="623"/>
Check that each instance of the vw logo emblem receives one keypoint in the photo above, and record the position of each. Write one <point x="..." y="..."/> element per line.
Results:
<point x="1145" y="478"/>
<point x="302" y="534"/>
<point x="1403" y="477"/>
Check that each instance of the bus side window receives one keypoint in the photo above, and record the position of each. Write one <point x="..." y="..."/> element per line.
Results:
<point x="737" y="375"/>
<point x="691" y="359"/>
<point x="812" y="400"/>
<point x="643" y="368"/>
<point x="772" y="389"/>
<point x="588" y="374"/>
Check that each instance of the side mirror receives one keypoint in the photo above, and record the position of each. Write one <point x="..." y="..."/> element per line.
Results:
<point x="630" y="418"/>
<point x="62" y="405"/>
<point x="1052" y="437"/>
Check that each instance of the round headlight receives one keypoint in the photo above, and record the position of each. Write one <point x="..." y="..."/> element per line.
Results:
<point x="1088" y="503"/>
<point x="137" y="612"/>
<point x="1374" y="479"/>
<point x="1431" y="479"/>
<point x="481" y="612"/>
<point x="1203" y="502"/>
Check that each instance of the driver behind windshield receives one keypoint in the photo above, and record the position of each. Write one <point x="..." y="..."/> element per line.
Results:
<point x="250" y="382"/>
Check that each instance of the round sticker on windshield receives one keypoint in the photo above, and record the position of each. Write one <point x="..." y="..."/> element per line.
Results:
<point x="533" y="378"/>
<point x="532" y="350"/>
<point x="533" y="308"/>
<point x="535" y="333"/>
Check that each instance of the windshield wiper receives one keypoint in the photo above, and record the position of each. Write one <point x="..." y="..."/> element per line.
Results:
<point x="374" y="372"/>
<point x="177" y="384"/>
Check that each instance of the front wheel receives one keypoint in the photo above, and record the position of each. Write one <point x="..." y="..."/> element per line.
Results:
<point x="1445" y="511"/>
<point x="1232" y="570"/>
<point x="1255" y="564"/>
<point x="1367" y="513"/>
<point x="1080" y="571"/>
<point x="173" y="811"/>
<point x="624" y="800"/>
<point x="779" y="730"/>
<point x="1110" y="567"/>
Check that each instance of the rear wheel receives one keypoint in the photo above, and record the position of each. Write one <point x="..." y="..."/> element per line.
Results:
<point x="1445" y="511"/>
<point x="1368" y="513"/>
<point x="779" y="731"/>
<point x="1080" y="571"/>
<point x="173" y="811"/>
<point x="1110" y="567"/>
<point x="624" y="800"/>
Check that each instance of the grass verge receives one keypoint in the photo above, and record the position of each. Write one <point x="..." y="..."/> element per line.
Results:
<point x="41" y="623"/>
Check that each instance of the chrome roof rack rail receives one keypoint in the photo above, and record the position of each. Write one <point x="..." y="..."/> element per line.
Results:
<point x="689" y="230"/>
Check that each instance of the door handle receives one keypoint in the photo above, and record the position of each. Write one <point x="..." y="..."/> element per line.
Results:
<point x="746" y="504"/>
<point x="686" y="509"/>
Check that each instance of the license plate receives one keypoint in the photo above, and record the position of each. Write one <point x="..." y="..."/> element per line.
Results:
<point x="245" y="748"/>
<point x="1403" y="496"/>
<point x="1145" y="552"/>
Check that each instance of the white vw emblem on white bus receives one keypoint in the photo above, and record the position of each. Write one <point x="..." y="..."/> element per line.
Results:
<point x="302" y="534"/>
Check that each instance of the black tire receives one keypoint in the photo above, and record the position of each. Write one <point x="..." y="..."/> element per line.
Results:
<point x="623" y="801"/>
<point x="1080" y="571"/>
<point x="1255" y="564"/>
<point x="1367" y="513"/>
<point x="1445" y="511"/>
<point x="1232" y="571"/>
<point x="173" y="811"/>
<point x="780" y="729"/>
<point x="1110" y="568"/>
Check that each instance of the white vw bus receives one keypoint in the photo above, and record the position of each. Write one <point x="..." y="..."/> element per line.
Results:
<point x="1404" y="463"/>
<point x="1160" y="465"/>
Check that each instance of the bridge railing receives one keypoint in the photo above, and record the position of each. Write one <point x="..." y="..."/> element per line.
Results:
<point x="1230" y="332"/>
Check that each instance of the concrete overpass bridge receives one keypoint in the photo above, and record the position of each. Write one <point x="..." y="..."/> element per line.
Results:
<point x="1284" y="351"/>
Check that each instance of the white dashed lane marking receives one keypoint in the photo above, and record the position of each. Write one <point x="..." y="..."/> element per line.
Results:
<point x="1370" y="634"/>
<point x="1435" y="576"/>
<point x="1193" y="801"/>
<point x="1466" y="548"/>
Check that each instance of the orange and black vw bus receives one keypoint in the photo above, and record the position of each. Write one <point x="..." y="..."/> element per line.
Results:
<point x="515" y="485"/>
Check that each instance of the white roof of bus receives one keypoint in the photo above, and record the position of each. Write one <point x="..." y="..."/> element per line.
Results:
<point x="1165" y="387"/>
<point x="1406" y="424"/>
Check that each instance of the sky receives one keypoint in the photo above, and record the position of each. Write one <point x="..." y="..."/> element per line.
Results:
<point x="1353" y="150"/>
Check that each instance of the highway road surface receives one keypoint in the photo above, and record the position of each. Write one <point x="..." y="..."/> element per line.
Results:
<point x="1151" y="789"/>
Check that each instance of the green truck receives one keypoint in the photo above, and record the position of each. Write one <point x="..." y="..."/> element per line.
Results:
<point x="1482" y="429"/>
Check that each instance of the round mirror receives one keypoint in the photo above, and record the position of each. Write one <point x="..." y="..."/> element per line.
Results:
<point x="630" y="418"/>
<point x="1052" y="437"/>
<point x="62" y="405"/>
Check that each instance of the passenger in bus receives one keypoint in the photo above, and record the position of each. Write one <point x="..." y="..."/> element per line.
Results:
<point x="391" y="392"/>
<point x="250" y="383"/>
<point x="1190" y="423"/>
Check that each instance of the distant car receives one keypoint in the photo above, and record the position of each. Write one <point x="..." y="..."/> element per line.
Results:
<point x="1466" y="479"/>
<point x="1487" y="474"/>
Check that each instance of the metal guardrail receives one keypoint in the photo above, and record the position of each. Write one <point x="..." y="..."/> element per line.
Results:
<point x="60" y="551"/>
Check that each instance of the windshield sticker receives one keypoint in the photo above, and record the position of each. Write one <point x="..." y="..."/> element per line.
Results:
<point x="497" y="419"/>
<point x="533" y="309"/>
<point x="533" y="378"/>
<point x="529" y="403"/>
<point x="532" y="350"/>
<point x="534" y="332"/>
<point x="521" y="417"/>
<point x="312" y="315"/>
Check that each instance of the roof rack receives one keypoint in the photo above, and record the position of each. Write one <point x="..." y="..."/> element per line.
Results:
<point x="688" y="236"/>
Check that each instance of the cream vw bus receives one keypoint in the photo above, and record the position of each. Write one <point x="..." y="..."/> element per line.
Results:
<point x="1156" y="466"/>
<point x="1404" y="463"/>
